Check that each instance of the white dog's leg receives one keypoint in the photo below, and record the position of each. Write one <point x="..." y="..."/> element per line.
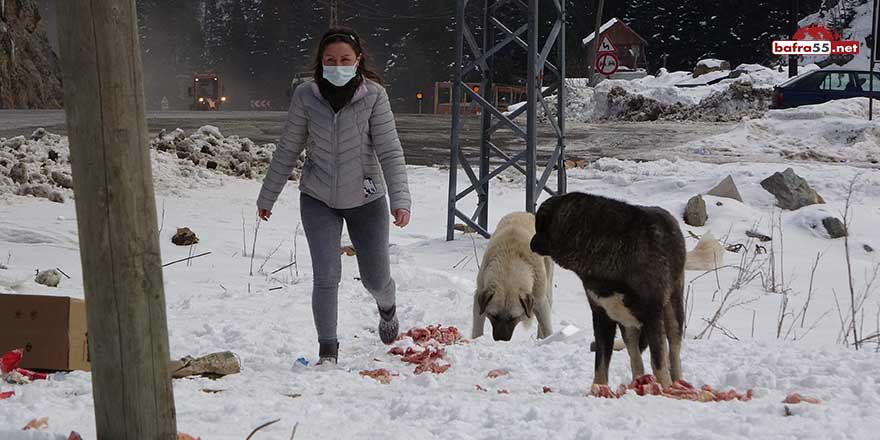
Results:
<point x="548" y="266"/>
<point x="545" y="318"/>
<point x="479" y="320"/>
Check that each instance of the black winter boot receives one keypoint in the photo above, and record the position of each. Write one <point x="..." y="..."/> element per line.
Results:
<point x="388" y="325"/>
<point x="328" y="353"/>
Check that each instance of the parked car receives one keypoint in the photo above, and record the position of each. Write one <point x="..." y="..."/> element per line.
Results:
<point x="824" y="85"/>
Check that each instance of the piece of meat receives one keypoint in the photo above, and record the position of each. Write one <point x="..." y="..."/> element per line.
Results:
<point x="479" y="388"/>
<point x="74" y="436"/>
<point x="503" y="392"/>
<point x="41" y="423"/>
<point x="547" y="390"/>
<point x="603" y="391"/>
<point x="796" y="398"/>
<point x="431" y="367"/>
<point x="381" y="375"/>
<point x="496" y="373"/>
<point x="6" y="394"/>
<point x="443" y="335"/>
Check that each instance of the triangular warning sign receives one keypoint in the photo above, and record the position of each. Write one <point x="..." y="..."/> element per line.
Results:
<point x="606" y="46"/>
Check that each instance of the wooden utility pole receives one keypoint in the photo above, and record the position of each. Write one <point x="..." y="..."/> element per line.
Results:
<point x="334" y="13"/>
<point x="594" y="49"/>
<point x="116" y="219"/>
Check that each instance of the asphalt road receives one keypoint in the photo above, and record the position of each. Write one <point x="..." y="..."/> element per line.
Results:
<point x="425" y="137"/>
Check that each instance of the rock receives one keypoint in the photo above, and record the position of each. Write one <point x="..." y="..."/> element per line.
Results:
<point x="61" y="179"/>
<point x="757" y="235"/>
<point x="214" y="365"/>
<point x="182" y="155"/>
<point x="347" y="250"/>
<point x="185" y="145"/>
<point x="707" y="255"/>
<point x="695" y="212"/>
<point x="834" y="226"/>
<point x="211" y="165"/>
<point x="14" y="143"/>
<point x="569" y="164"/>
<point x="38" y="134"/>
<point x="56" y="197"/>
<point x="710" y="65"/>
<point x="207" y="150"/>
<point x="792" y="191"/>
<point x="243" y="156"/>
<point x="164" y="146"/>
<point x="243" y="168"/>
<point x="53" y="155"/>
<point x="867" y="248"/>
<point x="727" y="189"/>
<point x="185" y="237"/>
<point x="42" y="190"/>
<point x="19" y="173"/>
<point x="49" y="278"/>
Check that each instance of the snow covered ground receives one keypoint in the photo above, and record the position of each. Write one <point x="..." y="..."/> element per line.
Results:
<point x="214" y="305"/>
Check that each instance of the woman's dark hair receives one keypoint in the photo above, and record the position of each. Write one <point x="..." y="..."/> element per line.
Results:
<point x="350" y="37"/>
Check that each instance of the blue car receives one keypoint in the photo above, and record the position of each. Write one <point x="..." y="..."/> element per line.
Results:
<point x="825" y="85"/>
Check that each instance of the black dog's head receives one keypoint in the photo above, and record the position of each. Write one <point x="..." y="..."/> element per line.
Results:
<point x="542" y="242"/>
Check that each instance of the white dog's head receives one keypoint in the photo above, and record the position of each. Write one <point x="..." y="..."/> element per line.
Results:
<point x="507" y="302"/>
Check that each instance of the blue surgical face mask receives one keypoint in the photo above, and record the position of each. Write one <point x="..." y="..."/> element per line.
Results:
<point x="340" y="75"/>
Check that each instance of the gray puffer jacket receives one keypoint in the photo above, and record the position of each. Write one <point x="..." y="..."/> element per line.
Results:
<point x="352" y="155"/>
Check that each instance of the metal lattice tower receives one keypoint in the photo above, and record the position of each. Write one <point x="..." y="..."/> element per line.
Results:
<point x="334" y="13"/>
<point x="480" y="58"/>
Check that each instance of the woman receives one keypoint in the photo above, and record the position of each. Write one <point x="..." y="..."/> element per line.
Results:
<point x="343" y="120"/>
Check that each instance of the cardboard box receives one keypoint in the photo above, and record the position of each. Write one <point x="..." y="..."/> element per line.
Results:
<point x="51" y="330"/>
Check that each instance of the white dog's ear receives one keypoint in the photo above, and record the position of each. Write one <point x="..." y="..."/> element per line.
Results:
<point x="528" y="304"/>
<point x="483" y="300"/>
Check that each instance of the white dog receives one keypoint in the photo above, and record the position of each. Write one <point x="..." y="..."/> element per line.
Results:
<point x="514" y="283"/>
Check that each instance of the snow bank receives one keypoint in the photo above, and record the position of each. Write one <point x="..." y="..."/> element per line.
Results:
<point x="836" y="131"/>
<point x="39" y="165"/>
<point x="743" y="92"/>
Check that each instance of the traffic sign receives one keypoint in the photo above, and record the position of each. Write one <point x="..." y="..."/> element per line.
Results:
<point x="606" y="46"/>
<point x="607" y="64"/>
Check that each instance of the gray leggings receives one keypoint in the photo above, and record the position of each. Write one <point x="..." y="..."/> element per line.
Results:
<point x="368" y="227"/>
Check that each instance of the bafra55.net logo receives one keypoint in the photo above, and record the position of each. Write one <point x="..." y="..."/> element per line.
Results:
<point x="815" y="40"/>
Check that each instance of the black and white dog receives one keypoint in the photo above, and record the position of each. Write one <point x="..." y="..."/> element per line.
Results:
<point x="631" y="262"/>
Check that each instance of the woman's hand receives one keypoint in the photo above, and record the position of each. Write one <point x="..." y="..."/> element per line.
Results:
<point x="264" y="214"/>
<point x="401" y="217"/>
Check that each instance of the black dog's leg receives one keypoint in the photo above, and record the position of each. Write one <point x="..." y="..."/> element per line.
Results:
<point x="631" y="336"/>
<point x="673" y="318"/>
<point x="657" y="343"/>
<point x="604" y="331"/>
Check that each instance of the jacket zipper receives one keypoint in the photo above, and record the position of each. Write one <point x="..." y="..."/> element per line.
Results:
<point x="334" y="151"/>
